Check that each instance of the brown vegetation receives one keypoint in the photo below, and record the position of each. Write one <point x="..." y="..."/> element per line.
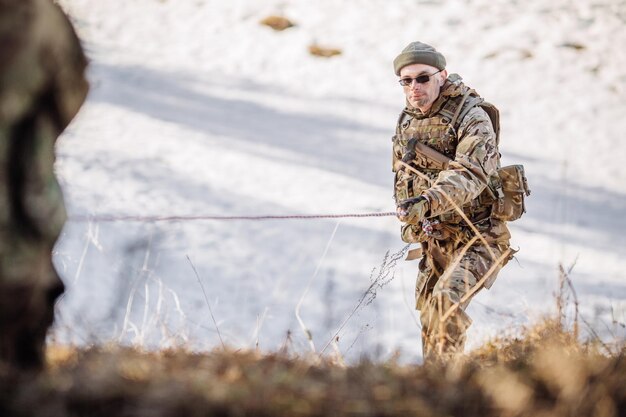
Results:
<point x="278" y="23"/>
<point x="323" y="52"/>
<point x="544" y="372"/>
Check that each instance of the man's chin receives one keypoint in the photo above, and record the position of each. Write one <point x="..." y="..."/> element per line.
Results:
<point x="416" y="104"/>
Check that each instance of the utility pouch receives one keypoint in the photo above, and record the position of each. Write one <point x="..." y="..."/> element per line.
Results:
<point x="510" y="203"/>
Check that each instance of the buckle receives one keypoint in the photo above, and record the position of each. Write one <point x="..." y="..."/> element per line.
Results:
<point x="429" y="227"/>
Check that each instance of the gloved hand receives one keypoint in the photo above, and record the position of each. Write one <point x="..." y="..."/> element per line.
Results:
<point x="413" y="210"/>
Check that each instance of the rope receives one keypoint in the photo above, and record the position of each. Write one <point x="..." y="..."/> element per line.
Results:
<point x="112" y="218"/>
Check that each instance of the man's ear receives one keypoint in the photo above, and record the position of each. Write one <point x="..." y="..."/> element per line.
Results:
<point x="444" y="77"/>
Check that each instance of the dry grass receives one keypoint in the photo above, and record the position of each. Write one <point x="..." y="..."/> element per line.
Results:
<point x="324" y="52"/>
<point x="278" y="23"/>
<point x="544" y="372"/>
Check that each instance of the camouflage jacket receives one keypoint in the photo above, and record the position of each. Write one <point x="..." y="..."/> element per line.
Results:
<point x="466" y="180"/>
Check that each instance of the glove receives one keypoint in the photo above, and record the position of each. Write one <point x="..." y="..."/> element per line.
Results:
<point x="413" y="210"/>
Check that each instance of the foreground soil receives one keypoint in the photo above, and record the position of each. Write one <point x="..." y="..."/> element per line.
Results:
<point x="544" y="373"/>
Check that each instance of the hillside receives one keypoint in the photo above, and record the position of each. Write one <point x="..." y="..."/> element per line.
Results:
<point x="198" y="109"/>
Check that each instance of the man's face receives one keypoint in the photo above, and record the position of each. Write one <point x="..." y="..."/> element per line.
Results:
<point x="422" y="96"/>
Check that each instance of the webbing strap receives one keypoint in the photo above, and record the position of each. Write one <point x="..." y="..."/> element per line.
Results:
<point x="473" y="102"/>
<point x="463" y="109"/>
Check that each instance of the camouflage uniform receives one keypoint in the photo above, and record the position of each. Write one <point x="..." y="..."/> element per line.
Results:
<point x="42" y="86"/>
<point x="467" y="182"/>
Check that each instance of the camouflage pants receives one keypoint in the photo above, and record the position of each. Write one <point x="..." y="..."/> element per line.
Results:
<point x="443" y="283"/>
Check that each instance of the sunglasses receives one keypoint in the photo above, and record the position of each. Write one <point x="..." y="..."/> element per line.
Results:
<point x="420" y="79"/>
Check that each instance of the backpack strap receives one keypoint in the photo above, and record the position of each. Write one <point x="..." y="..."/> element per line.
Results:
<point x="457" y="107"/>
<point x="469" y="101"/>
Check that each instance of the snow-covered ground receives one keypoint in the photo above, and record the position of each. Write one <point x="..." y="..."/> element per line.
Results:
<point x="197" y="109"/>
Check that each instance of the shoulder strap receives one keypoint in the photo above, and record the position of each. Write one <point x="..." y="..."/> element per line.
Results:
<point x="457" y="114"/>
<point x="468" y="104"/>
<point x="455" y="107"/>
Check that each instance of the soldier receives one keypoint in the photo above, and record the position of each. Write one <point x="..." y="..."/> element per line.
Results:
<point x="445" y="160"/>
<point x="42" y="86"/>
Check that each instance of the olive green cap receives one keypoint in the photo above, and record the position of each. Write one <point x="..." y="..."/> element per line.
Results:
<point x="419" y="53"/>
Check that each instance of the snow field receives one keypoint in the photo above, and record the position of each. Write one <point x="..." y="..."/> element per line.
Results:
<point x="197" y="109"/>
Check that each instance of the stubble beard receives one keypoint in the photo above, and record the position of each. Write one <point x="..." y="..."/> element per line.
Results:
<point x="421" y="102"/>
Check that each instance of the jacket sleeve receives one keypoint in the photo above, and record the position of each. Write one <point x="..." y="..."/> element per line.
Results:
<point x="476" y="159"/>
